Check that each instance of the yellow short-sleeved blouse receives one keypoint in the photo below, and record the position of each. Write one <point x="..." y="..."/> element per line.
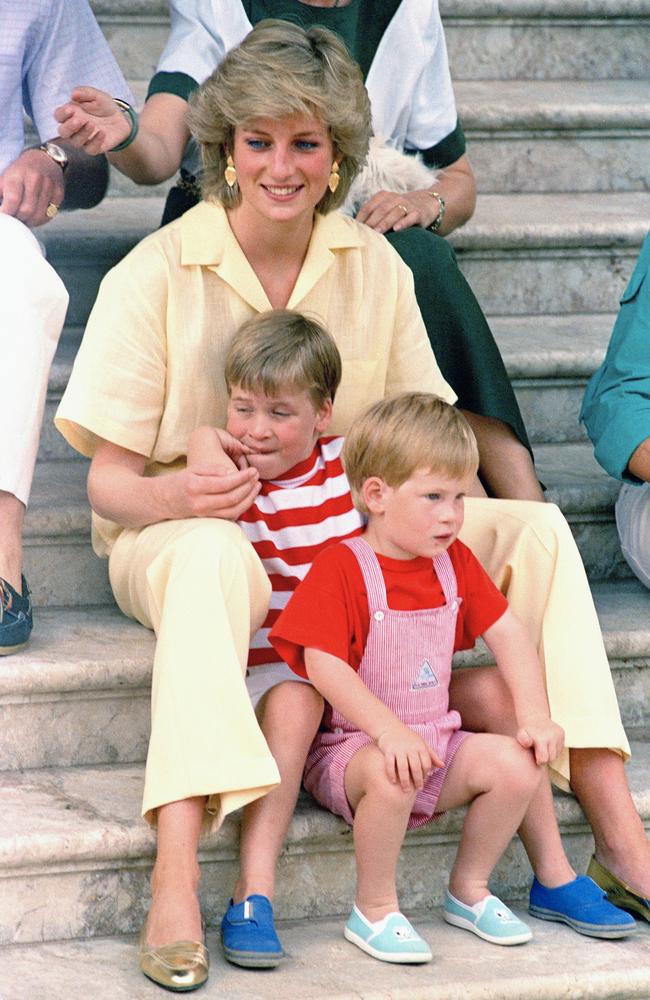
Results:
<point x="150" y="366"/>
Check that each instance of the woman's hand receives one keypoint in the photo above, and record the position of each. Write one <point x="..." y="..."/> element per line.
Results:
<point x="92" y="121"/>
<point x="543" y="736"/>
<point x="391" y="210"/>
<point x="195" y="493"/>
<point x="408" y="758"/>
<point x="119" y="490"/>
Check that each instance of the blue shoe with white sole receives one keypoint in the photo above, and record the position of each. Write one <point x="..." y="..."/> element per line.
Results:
<point x="490" y="919"/>
<point x="392" y="939"/>
<point x="582" y="905"/>
<point x="248" y="934"/>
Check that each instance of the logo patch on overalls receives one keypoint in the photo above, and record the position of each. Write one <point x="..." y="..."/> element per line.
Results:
<point x="426" y="677"/>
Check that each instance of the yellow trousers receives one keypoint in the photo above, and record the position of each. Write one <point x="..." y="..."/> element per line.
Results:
<point x="529" y="552"/>
<point x="200" y="586"/>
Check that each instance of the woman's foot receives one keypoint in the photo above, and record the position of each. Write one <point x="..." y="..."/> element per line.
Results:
<point x="619" y="892"/>
<point x="630" y="866"/>
<point x="175" y="914"/>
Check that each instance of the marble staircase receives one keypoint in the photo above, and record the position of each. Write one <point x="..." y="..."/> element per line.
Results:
<point x="555" y="99"/>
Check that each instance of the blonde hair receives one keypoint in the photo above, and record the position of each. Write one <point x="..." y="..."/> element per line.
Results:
<point x="281" y="348"/>
<point x="396" y="436"/>
<point x="279" y="70"/>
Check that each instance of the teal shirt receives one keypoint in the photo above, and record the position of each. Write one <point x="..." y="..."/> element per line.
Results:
<point x="616" y="406"/>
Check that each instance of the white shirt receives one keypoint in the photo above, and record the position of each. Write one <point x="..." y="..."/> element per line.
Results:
<point x="48" y="47"/>
<point x="409" y="84"/>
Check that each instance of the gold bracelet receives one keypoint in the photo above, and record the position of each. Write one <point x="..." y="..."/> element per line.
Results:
<point x="437" y="222"/>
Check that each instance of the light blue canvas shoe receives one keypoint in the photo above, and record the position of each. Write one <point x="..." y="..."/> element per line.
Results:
<point x="392" y="939"/>
<point x="490" y="919"/>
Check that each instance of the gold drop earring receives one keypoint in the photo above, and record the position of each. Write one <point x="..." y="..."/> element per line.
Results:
<point x="230" y="174"/>
<point x="334" y="177"/>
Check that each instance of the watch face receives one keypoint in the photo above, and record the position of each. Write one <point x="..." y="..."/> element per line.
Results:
<point x="55" y="153"/>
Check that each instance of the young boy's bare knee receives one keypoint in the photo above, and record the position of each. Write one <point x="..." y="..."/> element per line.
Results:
<point x="366" y="776"/>
<point x="517" y="770"/>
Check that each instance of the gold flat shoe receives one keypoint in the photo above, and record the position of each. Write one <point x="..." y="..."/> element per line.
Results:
<point x="618" y="892"/>
<point x="180" y="966"/>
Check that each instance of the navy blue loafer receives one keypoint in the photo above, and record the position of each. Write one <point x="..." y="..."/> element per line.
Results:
<point x="582" y="905"/>
<point x="248" y="934"/>
<point x="15" y="617"/>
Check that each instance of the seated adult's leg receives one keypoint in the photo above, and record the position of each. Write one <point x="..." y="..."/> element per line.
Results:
<point x="470" y="361"/>
<point x="199" y="584"/>
<point x="33" y="302"/>
<point x="633" y="524"/>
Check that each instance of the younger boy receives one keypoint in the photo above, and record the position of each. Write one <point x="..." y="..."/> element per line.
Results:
<point x="390" y="753"/>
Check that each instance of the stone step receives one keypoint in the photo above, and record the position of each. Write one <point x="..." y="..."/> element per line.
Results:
<point x="321" y="965"/>
<point x="82" y="686"/>
<point x="63" y="570"/>
<point x="537" y="136"/>
<point x="76" y="857"/>
<point x="500" y="39"/>
<point x="548" y="358"/>
<point x="522" y="253"/>
<point x="547" y="39"/>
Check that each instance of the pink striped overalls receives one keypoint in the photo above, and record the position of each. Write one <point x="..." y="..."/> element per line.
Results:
<point x="406" y="663"/>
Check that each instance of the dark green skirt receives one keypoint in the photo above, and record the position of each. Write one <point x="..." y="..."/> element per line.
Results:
<point x="458" y="332"/>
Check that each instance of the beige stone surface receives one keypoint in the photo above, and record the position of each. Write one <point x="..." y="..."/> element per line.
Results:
<point x="320" y="965"/>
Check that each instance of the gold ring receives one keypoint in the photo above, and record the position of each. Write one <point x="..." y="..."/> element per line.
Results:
<point x="51" y="210"/>
<point x="404" y="209"/>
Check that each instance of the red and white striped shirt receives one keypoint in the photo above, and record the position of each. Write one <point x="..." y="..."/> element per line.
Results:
<point x="291" y="521"/>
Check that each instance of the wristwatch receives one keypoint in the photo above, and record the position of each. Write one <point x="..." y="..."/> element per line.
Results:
<point x="55" y="153"/>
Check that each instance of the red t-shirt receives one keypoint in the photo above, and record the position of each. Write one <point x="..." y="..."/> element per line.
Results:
<point x="329" y="609"/>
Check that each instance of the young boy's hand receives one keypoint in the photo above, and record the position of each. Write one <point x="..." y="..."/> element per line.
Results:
<point x="408" y="758"/>
<point x="543" y="736"/>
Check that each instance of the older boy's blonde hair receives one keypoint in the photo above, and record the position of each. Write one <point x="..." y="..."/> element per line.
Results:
<point x="284" y="348"/>
<point x="396" y="436"/>
<point x="278" y="70"/>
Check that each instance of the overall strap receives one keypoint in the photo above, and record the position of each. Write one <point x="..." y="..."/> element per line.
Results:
<point x="444" y="570"/>
<point x="373" y="577"/>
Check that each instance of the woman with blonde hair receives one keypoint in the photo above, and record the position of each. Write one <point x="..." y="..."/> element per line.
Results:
<point x="283" y="124"/>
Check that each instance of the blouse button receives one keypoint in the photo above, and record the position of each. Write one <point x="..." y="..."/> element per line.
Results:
<point x="378" y="616"/>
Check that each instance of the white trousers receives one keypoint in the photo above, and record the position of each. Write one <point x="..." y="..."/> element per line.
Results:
<point x="33" y="303"/>
<point x="633" y="523"/>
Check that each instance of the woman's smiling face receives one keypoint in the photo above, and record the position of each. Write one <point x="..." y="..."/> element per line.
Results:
<point x="283" y="166"/>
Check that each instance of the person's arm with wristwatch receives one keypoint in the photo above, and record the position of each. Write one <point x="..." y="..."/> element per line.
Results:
<point x="50" y="176"/>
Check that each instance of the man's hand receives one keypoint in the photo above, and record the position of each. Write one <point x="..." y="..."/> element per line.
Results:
<point x="543" y="736"/>
<point x="29" y="185"/>
<point x="408" y="758"/>
<point x="92" y="121"/>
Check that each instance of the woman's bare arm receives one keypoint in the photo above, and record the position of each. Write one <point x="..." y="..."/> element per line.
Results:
<point x="119" y="490"/>
<point x="93" y="122"/>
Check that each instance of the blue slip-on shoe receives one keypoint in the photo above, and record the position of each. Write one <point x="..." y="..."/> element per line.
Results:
<point x="490" y="919"/>
<point x="582" y="905"/>
<point x="248" y="934"/>
<point x="391" y="939"/>
<point x="15" y="617"/>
